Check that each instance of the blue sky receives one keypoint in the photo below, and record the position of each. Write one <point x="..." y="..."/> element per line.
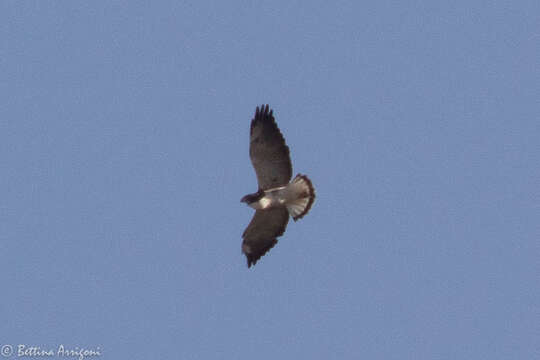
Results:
<point x="124" y="154"/>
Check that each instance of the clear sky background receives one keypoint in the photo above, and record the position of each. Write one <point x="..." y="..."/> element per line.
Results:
<point x="124" y="154"/>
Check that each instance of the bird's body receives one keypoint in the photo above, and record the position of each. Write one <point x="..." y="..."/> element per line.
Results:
<point x="291" y="196"/>
<point x="276" y="198"/>
<point x="269" y="198"/>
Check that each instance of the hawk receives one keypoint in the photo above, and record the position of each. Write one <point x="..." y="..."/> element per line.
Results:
<point x="277" y="198"/>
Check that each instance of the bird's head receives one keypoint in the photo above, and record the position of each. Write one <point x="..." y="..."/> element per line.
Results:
<point x="246" y="199"/>
<point x="249" y="198"/>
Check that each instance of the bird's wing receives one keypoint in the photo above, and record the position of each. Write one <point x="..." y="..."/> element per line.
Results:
<point x="261" y="233"/>
<point x="268" y="152"/>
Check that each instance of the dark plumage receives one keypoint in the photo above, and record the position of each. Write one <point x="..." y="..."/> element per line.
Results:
<point x="276" y="198"/>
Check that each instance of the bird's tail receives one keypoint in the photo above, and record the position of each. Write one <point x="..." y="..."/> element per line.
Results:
<point x="303" y="194"/>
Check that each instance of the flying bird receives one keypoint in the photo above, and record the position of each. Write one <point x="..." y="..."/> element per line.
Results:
<point x="277" y="198"/>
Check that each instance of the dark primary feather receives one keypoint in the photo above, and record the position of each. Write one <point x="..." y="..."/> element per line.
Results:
<point x="268" y="152"/>
<point x="261" y="233"/>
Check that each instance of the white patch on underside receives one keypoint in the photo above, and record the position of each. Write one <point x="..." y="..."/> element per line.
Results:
<point x="263" y="203"/>
<point x="297" y="197"/>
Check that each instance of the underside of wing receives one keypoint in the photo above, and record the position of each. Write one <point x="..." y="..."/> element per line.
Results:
<point x="268" y="151"/>
<point x="262" y="232"/>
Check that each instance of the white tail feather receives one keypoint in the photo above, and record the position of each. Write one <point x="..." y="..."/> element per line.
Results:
<point x="303" y="193"/>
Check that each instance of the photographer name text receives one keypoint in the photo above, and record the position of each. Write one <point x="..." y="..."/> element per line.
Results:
<point x="61" y="351"/>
